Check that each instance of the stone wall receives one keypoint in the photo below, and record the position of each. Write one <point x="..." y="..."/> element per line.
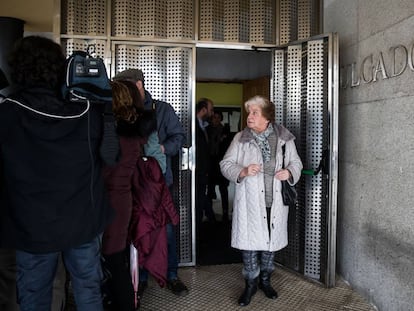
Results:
<point x="376" y="148"/>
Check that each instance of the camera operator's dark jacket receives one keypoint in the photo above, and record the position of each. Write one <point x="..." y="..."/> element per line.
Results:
<point x="53" y="197"/>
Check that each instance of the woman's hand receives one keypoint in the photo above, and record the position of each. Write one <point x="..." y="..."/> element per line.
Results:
<point x="283" y="174"/>
<point x="250" y="170"/>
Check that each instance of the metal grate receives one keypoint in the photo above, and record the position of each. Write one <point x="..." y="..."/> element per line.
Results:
<point x="316" y="129"/>
<point x="83" y="17"/>
<point x="236" y="20"/>
<point x="73" y="17"/>
<point x="180" y="19"/>
<point x="241" y="21"/>
<point x="292" y="255"/>
<point x="178" y="95"/>
<point x="96" y="17"/>
<point x="287" y="21"/>
<point x="153" y="18"/>
<point x="262" y="13"/>
<point x="211" y="20"/>
<point x="124" y="18"/>
<point x="278" y="85"/>
<point x="300" y="90"/>
<point x="293" y="84"/>
<point x="304" y="18"/>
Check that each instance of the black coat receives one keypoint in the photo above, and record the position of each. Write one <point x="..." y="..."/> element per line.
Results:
<point x="202" y="152"/>
<point x="53" y="196"/>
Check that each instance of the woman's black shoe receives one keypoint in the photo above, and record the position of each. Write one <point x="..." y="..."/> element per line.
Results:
<point x="265" y="285"/>
<point x="249" y="291"/>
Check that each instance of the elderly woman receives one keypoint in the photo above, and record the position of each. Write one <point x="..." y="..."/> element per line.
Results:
<point x="254" y="162"/>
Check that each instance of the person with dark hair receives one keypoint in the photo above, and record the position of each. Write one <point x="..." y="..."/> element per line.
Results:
<point x="53" y="196"/>
<point x="171" y="138"/>
<point x="204" y="112"/>
<point x="219" y="139"/>
<point x="133" y="125"/>
<point x="254" y="162"/>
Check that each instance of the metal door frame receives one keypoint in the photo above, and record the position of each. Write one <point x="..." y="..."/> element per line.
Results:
<point x="298" y="258"/>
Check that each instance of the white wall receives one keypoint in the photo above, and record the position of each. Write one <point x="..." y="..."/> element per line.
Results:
<point x="376" y="150"/>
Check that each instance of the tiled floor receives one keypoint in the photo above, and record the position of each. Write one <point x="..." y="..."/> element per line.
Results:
<point x="218" y="288"/>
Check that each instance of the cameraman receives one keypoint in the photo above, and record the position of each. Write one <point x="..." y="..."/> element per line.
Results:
<point x="54" y="195"/>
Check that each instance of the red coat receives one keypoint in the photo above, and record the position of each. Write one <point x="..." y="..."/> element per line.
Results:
<point x="153" y="208"/>
<point x="143" y="206"/>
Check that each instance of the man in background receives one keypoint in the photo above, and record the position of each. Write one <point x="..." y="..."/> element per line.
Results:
<point x="204" y="207"/>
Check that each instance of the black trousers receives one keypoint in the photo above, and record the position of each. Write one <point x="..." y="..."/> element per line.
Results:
<point x="8" y="280"/>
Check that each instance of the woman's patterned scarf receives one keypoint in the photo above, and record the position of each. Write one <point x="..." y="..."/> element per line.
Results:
<point x="263" y="142"/>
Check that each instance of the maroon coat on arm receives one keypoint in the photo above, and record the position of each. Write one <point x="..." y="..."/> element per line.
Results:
<point x="118" y="181"/>
<point x="153" y="209"/>
<point x="143" y="206"/>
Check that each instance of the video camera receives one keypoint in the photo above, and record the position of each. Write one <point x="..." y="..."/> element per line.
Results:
<point x="86" y="79"/>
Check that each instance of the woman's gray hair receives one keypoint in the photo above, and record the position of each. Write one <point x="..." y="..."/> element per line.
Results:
<point x="267" y="107"/>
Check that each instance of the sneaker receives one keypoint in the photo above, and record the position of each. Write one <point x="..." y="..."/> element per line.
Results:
<point x="142" y="286"/>
<point x="177" y="287"/>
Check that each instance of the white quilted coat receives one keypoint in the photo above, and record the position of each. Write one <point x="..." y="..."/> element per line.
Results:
<point x="249" y="226"/>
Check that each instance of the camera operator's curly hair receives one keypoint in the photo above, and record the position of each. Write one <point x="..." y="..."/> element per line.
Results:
<point x="37" y="62"/>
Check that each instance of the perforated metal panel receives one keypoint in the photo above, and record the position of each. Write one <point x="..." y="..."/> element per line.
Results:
<point x="288" y="18"/>
<point x="304" y="104"/>
<point x="262" y="18"/>
<point x="278" y="89"/>
<point x="84" y="17"/>
<point x="179" y="64"/>
<point x="236" y="20"/>
<point x="126" y="56"/>
<point x="288" y="96"/>
<point x="304" y="18"/>
<point x="167" y="71"/>
<point x="307" y="23"/>
<point x="124" y="18"/>
<point x="316" y="131"/>
<point x="73" y="17"/>
<point x="180" y="19"/>
<point x="153" y="18"/>
<point x="211" y="20"/>
<point x="96" y="17"/>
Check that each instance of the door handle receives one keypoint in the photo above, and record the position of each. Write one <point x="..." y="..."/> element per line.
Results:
<point x="186" y="159"/>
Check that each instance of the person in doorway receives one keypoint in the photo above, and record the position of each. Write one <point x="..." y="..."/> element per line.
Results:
<point x="254" y="163"/>
<point x="171" y="138"/>
<point x="219" y="140"/>
<point x="204" y="112"/>
<point x="53" y="196"/>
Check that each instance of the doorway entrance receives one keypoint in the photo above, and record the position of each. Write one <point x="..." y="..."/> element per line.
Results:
<point x="304" y="88"/>
<point x="228" y="77"/>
